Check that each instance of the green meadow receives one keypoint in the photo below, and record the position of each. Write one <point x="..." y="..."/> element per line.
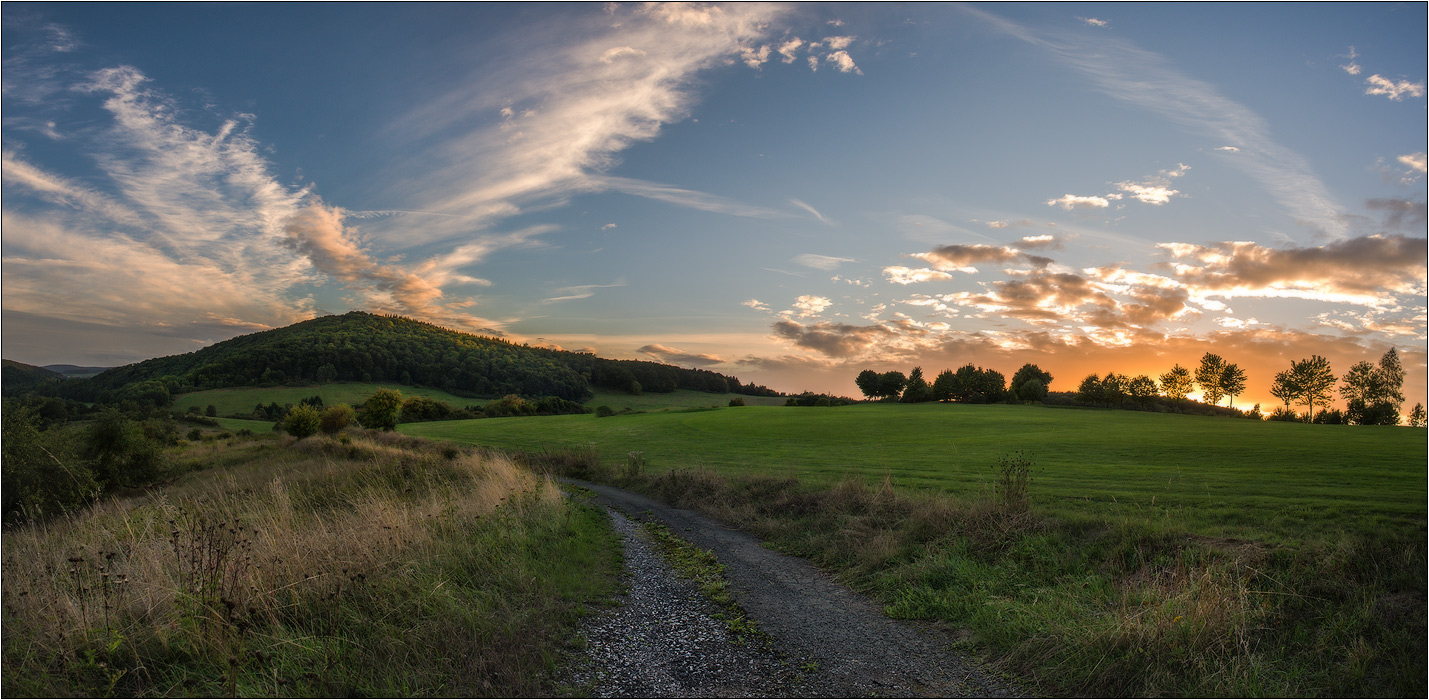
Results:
<point x="1217" y="476"/>
<point x="1148" y="555"/>
<point x="241" y="400"/>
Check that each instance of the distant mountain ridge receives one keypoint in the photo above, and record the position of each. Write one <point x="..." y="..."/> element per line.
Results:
<point x="359" y="346"/>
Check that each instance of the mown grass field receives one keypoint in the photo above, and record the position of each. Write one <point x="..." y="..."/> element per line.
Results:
<point x="1216" y="476"/>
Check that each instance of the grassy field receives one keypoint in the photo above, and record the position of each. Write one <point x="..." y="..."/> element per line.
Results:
<point x="362" y="566"/>
<point x="243" y="399"/>
<point x="1152" y="555"/>
<point x="681" y="398"/>
<point x="1214" y="476"/>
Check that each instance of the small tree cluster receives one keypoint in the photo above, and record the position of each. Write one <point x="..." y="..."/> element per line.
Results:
<point x="884" y="386"/>
<point x="1373" y="394"/>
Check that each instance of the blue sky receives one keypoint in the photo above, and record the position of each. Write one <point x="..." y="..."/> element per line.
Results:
<point x="788" y="193"/>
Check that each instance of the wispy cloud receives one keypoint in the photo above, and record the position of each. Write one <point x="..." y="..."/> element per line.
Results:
<point x="582" y="291"/>
<point x="580" y="91"/>
<point x="684" y="197"/>
<point x="809" y="208"/>
<point x="1093" y="21"/>
<point x="821" y="262"/>
<point x="663" y="353"/>
<point x="1144" y="78"/>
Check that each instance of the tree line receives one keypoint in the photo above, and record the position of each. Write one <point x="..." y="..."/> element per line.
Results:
<point x="1373" y="393"/>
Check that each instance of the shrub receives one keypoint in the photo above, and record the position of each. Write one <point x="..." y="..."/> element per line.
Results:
<point x="737" y="401"/>
<point x="1283" y="413"/>
<point x="604" y="412"/>
<point x="334" y="418"/>
<point x="382" y="410"/>
<point x="41" y="473"/>
<point x="302" y="421"/>
<point x="1331" y="416"/>
<point x="120" y="451"/>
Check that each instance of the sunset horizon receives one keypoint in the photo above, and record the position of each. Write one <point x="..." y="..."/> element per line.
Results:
<point x="788" y="194"/>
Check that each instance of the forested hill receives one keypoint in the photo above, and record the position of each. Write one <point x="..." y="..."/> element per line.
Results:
<point x="364" y="347"/>
<point x="17" y="376"/>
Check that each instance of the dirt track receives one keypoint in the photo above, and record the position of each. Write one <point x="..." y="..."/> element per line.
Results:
<point x="840" y="644"/>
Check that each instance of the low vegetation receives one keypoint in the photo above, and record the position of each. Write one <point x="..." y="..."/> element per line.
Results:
<point x="1119" y="553"/>
<point x="367" y="564"/>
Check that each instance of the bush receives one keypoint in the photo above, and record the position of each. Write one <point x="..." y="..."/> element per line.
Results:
<point x="736" y="401"/>
<point x="334" y="418"/>
<point x="302" y="421"/>
<point x="120" y="451"/>
<point x="604" y="412"/>
<point x="382" y="410"/>
<point x="1283" y="413"/>
<point x="41" y="473"/>
<point x="1331" y="416"/>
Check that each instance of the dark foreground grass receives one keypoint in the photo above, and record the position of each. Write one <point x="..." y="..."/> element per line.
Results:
<point x="371" y="566"/>
<point x="1309" y="592"/>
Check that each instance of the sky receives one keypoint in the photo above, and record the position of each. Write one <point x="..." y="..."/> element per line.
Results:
<point x="786" y="193"/>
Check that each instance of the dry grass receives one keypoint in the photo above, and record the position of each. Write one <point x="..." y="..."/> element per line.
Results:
<point x="244" y="575"/>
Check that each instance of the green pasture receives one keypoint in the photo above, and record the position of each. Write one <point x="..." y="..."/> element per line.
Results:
<point x="243" y="399"/>
<point x="680" y="398"/>
<point x="1212" y="476"/>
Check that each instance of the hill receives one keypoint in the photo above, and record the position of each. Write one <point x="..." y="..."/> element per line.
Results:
<point x="363" y="347"/>
<point x="18" y="376"/>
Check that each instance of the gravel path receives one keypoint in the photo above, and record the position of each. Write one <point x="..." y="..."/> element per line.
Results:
<point x="663" y="642"/>
<point x="853" y="649"/>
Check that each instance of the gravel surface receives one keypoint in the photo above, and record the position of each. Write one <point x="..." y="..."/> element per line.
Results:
<point x="846" y="643"/>
<point x="662" y="640"/>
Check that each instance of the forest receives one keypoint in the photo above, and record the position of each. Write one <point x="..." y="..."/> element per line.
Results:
<point x="363" y="347"/>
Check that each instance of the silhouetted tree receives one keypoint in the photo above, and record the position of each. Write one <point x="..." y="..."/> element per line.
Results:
<point x="944" y="385"/>
<point x="1284" y="388"/>
<point x="1177" y="383"/>
<point x="1209" y="376"/>
<point x="1027" y="372"/>
<point x="917" y="389"/>
<point x="1032" y="390"/>
<point x="1232" y="383"/>
<point x="1417" y="417"/>
<point x="891" y="384"/>
<point x="1313" y="380"/>
<point x="1090" y="390"/>
<point x="1372" y="393"/>
<point x="870" y="383"/>
<point x="1142" y="389"/>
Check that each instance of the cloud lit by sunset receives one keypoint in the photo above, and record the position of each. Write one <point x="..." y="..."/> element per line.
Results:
<point x="786" y="193"/>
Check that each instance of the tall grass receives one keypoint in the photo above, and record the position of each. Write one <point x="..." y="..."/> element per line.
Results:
<point x="367" y="566"/>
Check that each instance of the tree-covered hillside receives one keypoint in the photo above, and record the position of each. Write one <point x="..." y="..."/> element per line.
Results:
<point x="18" y="376"/>
<point x="363" y="347"/>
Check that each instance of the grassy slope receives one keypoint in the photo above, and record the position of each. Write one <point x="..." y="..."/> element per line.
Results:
<point x="1217" y="476"/>
<point x="316" y="569"/>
